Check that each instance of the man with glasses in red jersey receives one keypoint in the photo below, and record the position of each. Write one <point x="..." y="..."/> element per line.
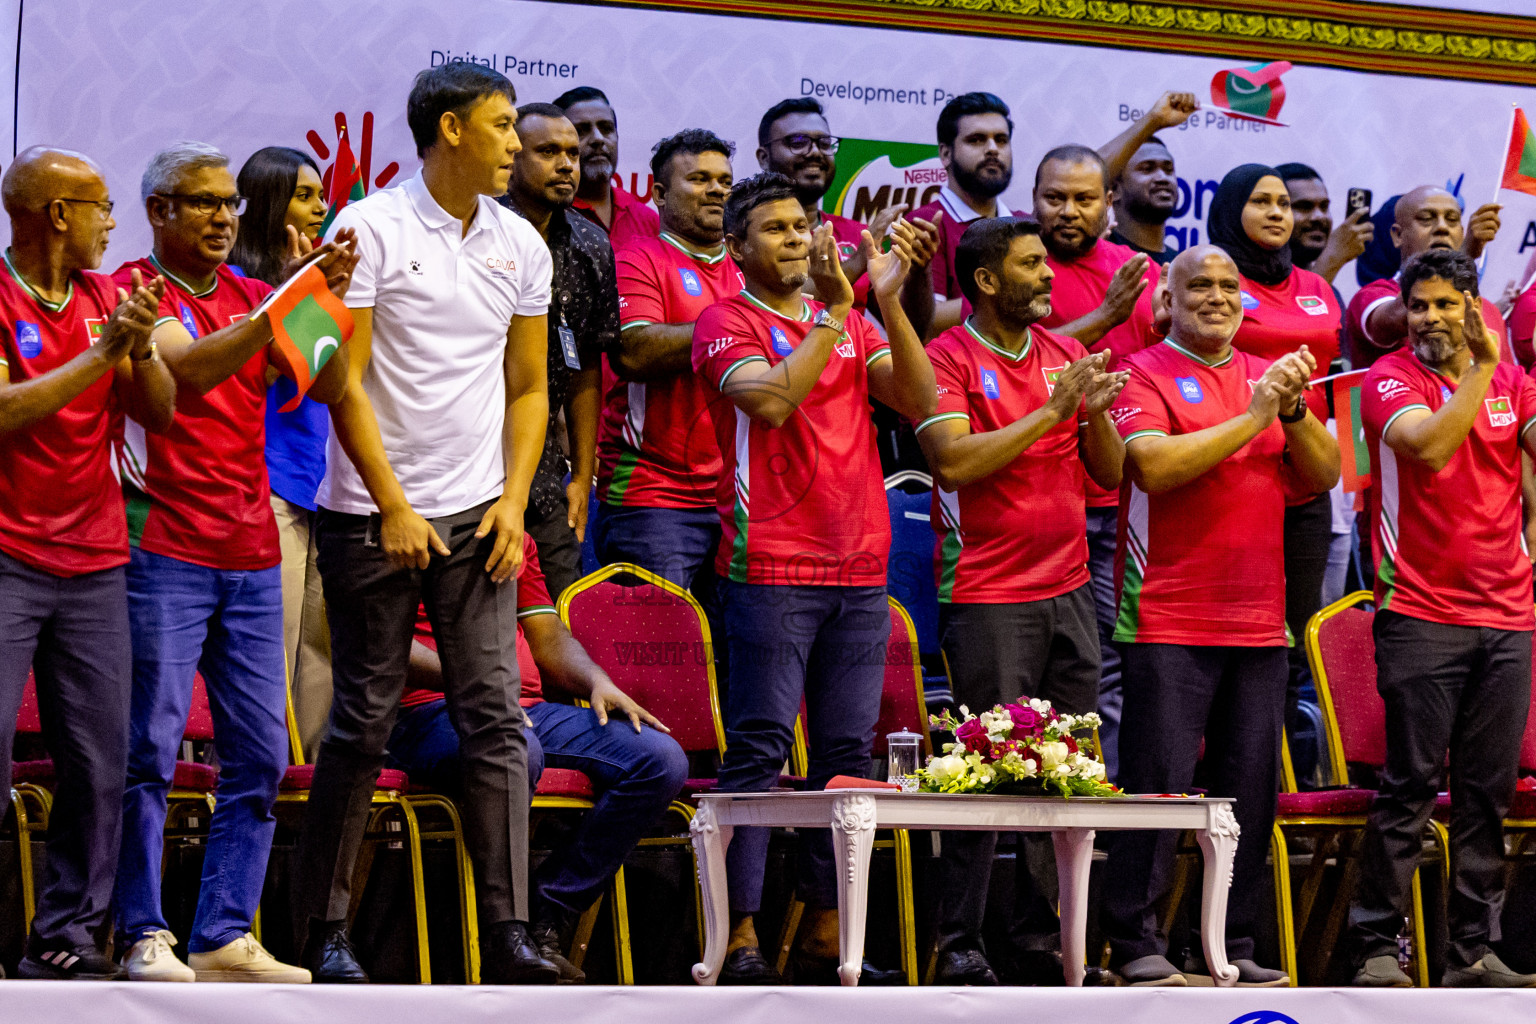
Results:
<point x="204" y="582"/>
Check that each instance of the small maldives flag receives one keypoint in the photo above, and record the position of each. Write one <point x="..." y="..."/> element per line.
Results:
<point x="1520" y="161"/>
<point x="309" y="324"/>
<point x="1354" y="455"/>
<point x="346" y="181"/>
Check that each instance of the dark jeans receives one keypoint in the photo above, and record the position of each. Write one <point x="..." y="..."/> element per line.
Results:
<point x="228" y="625"/>
<point x="73" y="633"/>
<point x="823" y="644"/>
<point x="1467" y="690"/>
<point x="372" y="606"/>
<point x="636" y="775"/>
<point x="1102" y="523"/>
<point x="1233" y="697"/>
<point x="677" y="544"/>
<point x="999" y="653"/>
<point x="1308" y="535"/>
<point x="559" y="553"/>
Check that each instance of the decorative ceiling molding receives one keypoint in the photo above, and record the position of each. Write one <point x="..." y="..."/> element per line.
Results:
<point x="1382" y="38"/>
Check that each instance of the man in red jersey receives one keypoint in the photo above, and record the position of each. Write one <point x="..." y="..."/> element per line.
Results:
<point x="805" y="524"/>
<point x="1426" y="218"/>
<point x="204" y="583"/>
<point x="626" y="217"/>
<point x="1022" y="416"/>
<point x="1102" y="296"/>
<point x="1446" y="421"/>
<point x="75" y="352"/>
<point x="657" y="461"/>
<point x="1210" y="433"/>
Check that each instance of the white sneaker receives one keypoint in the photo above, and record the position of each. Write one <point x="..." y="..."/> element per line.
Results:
<point x="245" y="960"/>
<point x="151" y="959"/>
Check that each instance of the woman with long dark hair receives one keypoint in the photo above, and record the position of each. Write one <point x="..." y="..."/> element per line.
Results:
<point x="284" y="213"/>
<point x="1284" y="307"/>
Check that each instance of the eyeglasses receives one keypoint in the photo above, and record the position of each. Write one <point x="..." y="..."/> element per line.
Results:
<point x="102" y="205"/>
<point x="206" y="205"/>
<point x="801" y="144"/>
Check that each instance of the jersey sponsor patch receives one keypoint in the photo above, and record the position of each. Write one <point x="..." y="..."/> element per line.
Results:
<point x="29" y="340"/>
<point x="1445" y="393"/>
<point x="781" y="343"/>
<point x="989" y="384"/>
<point x="1052" y="375"/>
<point x="691" y="283"/>
<point x="1391" y="387"/>
<point x="1120" y="413"/>
<point x="847" y="349"/>
<point x="1249" y="302"/>
<point x="1312" y="305"/>
<point x="1189" y="387"/>
<point x="1500" y="412"/>
<point x="187" y="321"/>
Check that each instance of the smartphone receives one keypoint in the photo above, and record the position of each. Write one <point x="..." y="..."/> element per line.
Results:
<point x="1359" y="199"/>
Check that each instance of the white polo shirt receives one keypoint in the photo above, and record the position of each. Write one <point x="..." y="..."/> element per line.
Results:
<point x="442" y="304"/>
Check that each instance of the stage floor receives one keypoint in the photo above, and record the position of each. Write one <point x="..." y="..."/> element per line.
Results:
<point x="34" y="1002"/>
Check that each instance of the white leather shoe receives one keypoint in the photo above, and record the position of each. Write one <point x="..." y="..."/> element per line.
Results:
<point x="151" y="959"/>
<point x="245" y="960"/>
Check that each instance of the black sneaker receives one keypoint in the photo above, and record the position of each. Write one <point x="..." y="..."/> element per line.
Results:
<point x="964" y="967"/>
<point x="83" y="963"/>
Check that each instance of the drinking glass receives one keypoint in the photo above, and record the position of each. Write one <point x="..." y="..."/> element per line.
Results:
<point x="901" y="749"/>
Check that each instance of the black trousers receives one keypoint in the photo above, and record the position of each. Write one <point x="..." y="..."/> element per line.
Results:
<point x="998" y="653"/>
<point x="1308" y="533"/>
<point x="1233" y="698"/>
<point x="559" y="552"/>
<point x="1467" y="690"/>
<point x="372" y="607"/>
<point x="73" y="633"/>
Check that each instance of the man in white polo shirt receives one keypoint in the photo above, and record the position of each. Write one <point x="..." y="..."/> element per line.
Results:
<point x="432" y="451"/>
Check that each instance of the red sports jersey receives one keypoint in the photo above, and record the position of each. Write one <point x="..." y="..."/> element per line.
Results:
<point x="850" y="235"/>
<point x="654" y="445"/>
<point x="61" y="509"/>
<point x="1202" y="564"/>
<point x="1077" y="290"/>
<point x="957" y="217"/>
<point x="532" y="599"/>
<point x="1018" y="534"/>
<point x="1365" y="350"/>
<point x="1279" y="319"/>
<point x="1449" y="544"/>
<point x="803" y="504"/>
<point x="199" y="491"/>
<point x="1522" y="327"/>
<point x="634" y="219"/>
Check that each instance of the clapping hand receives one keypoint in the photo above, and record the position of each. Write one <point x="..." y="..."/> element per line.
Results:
<point x="831" y="284"/>
<point x="128" y="328"/>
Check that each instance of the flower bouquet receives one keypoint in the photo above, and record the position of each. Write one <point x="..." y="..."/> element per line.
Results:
<point x="1025" y="748"/>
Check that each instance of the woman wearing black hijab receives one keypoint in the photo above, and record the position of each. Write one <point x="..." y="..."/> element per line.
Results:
<point x="1284" y="307"/>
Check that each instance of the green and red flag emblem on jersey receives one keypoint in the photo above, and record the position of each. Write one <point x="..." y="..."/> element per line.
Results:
<point x="1354" y="455"/>
<point x="346" y="181"/>
<point x="1253" y="93"/>
<point x="1052" y="377"/>
<point x="95" y="327"/>
<point x="309" y="324"/>
<point x="1520" y="161"/>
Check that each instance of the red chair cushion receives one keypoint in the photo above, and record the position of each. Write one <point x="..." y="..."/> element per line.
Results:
<point x="1523" y="805"/>
<point x="189" y="775"/>
<point x="1326" y="802"/>
<point x="302" y="776"/>
<point x="565" y="782"/>
<point x="693" y="787"/>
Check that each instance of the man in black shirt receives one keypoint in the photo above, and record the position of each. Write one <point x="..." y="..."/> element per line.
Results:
<point x="583" y="322"/>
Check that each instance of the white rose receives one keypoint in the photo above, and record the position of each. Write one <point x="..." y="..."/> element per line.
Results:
<point x="947" y="769"/>
<point x="1052" y="753"/>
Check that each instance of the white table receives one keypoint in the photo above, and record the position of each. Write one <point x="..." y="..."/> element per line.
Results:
<point x="854" y="814"/>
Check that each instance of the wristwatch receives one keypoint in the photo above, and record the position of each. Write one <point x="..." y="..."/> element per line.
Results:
<point x="826" y="319"/>
<point x="144" y="358"/>
<point x="1297" y="416"/>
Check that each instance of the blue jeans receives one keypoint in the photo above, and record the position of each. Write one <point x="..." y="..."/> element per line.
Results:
<point x="636" y="775"/>
<point x="677" y="544"/>
<point x="228" y="625"/>
<point x="827" y="645"/>
<point x="1102" y="523"/>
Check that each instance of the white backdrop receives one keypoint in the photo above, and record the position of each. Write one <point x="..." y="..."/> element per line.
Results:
<point x="120" y="78"/>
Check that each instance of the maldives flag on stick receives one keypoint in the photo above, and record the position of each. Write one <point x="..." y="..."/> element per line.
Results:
<point x="1520" y="161"/>
<point x="309" y="324"/>
<point x="1354" y="456"/>
<point x="346" y="181"/>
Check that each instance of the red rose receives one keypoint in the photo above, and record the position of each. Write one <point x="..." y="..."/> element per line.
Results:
<point x="974" y="735"/>
<point x="1026" y="719"/>
<point x="1071" y="744"/>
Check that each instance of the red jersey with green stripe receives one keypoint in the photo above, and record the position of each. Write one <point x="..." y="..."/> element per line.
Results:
<point x="61" y="509"/>
<point x="1201" y="564"/>
<point x="199" y="491"/>
<point x="1018" y="534"/>
<point x="655" y="448"/>
<point x="802" y="504"/>
<point x="1449" y="546"/>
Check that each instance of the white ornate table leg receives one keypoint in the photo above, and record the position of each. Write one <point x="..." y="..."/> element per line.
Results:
<point x="1074" y="859"/>
<point x="853" y="836"/>
<point x="1218" y="845"/>
<point x="710" y="839"/>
